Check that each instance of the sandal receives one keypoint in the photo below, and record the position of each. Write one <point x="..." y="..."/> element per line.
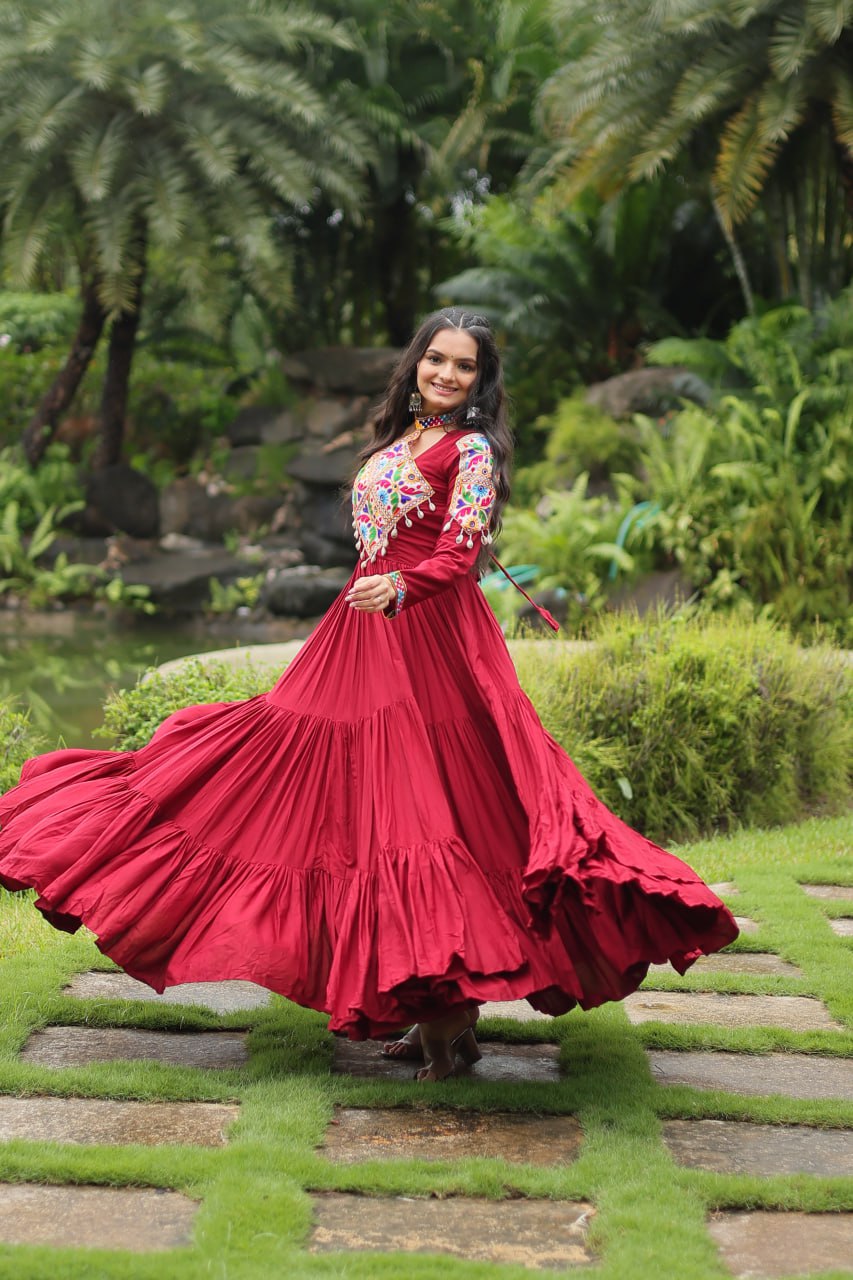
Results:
<point x="408" y="1046"/>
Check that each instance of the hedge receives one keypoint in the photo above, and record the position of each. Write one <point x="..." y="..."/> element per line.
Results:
<point x="683" y="727"/>
<point x="18" y="741"/>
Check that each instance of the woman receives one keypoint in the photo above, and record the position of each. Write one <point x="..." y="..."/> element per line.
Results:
<point x="388" y="835"/>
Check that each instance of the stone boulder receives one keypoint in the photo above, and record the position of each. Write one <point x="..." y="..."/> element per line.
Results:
<point x="259" y="424"/>
<point x="190" y="508"/>
<point x="179" y="581"/>
<point x="360" y="370"/>
<point x="118" y="498"/>
<point x="304" y="591"/>
<point x="652" y="391"/>
<point x="326" y="468"/>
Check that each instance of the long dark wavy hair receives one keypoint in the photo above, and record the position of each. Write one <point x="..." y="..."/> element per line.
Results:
<point x="393" y="417"/>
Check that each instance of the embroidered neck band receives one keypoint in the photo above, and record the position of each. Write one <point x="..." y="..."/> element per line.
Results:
<point x="437" y="420"/>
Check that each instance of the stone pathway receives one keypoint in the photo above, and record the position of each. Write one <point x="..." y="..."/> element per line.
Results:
<point x="794" y="1013"/>
<point x="101" y="1121"/>
<point x="768" y="1246"/>
<point x="761" y="963"/>
<point x="530" y="1233"/>
<point x="519" y="1062"/>
<point x="729" y="1146"/>
<point x="794" y="1075"/>
<point x="144" y="1220"/>
<point x="360" y="1133"/>
<point x="218" y="997"/>
<point x="59" y="1047"/>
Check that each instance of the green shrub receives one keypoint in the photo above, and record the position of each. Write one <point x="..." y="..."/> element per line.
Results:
<point x="132" y="715"/>
<point x="686" y="727"/>
<point x="33" y="320"/>
<point x="579" y="439"/>
<point x="683" y="727"/>
<point x="18" y="741"/>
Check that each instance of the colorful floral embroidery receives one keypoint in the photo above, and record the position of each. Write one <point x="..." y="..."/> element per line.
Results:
<point x="474" y="491"/>
<point x="387" y="488"/>
<point x="399" y="584"/>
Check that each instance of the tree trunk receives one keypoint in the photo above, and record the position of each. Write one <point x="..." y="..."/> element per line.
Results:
<point x="43" y="425"/>
<point x="737" y="257"/>
<point x="114" y="396"/>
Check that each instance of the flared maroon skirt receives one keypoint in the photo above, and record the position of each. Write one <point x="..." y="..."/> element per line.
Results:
<point x="389" y="831"/>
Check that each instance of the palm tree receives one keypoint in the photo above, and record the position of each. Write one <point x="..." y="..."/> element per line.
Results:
<point x="759" y="93"/>
<point x="182" y="124"/>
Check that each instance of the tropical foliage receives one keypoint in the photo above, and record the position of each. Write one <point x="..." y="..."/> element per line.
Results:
<point x="122" y="127"/>
<point x="758" y="93"/>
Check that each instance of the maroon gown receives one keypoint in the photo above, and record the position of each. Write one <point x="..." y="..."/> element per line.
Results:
<point x="388" y="831"/>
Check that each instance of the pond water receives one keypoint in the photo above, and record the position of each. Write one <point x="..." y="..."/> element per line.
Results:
<point x="62" y="666"/>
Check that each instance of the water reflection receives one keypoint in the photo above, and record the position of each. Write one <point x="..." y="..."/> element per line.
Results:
<point x="61" y="667"/>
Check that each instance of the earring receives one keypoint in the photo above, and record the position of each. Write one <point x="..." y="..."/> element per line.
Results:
<point x="415" y="402"/>
<point x="473" y="413"/>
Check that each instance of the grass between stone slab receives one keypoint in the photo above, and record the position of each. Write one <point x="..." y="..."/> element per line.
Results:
<point x="255" y="1214"/>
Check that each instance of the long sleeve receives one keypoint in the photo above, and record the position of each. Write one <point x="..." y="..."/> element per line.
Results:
<point x="466" y="526"/>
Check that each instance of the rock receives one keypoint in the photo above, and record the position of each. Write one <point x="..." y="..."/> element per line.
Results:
<point x="667" y="588"/>
<point x="187" y="507"/>
<point x="180" y="581"/>
<point x="529" y="1233"/>
<point x="243" y="464"/>
<point x="329" y="513"/>
<point x="326" y="417"/>
<point x="260" y="424"/>
<point x="754" y="962"/>
<point x="325" y="467"/>
<point x="652" y="391"/>
<point x="125" y="499"/>
<point x="252" y="510"/>
<point x="830" y="892"/>
<point x="361" y="370"/>
<point x="304" y="591"/>
<point x="397" y="1133"/>
<point x="325" y="551"/>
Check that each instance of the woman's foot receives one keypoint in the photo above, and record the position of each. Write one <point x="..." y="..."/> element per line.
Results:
<point x="443" y="1038"/>
<point x="408" y="1046"/>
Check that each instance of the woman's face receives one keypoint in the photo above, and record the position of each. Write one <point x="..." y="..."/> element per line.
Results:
<point x="446" y="371"/>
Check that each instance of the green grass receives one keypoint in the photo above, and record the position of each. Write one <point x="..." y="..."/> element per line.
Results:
<point x="255" y="1216"/>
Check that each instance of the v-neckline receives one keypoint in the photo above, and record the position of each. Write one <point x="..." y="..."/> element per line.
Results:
<point x="416" y="457"/>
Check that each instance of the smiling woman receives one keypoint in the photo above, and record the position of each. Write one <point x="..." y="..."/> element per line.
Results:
<point x="389" y="834"/>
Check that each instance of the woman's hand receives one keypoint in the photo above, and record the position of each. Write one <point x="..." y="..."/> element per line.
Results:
<point x="372" y="594"/>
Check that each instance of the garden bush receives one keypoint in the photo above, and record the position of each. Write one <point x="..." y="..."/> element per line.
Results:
<point x="686" y="726"/>
<point x="683" y="727"/>
<point x="18" y="741"/>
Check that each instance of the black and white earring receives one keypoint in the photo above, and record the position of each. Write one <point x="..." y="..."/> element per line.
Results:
<point x="473" y="413"/>
<point x="415" y="402"/>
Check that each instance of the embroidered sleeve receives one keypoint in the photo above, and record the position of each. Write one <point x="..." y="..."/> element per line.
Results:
<point x="399" y="584"/>
<point x="473" y="493"/>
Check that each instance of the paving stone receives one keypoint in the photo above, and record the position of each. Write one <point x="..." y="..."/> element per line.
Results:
<point x="833" y="892"/>
<point x="843" y="926"/>
<point x="746" y="925"/>
<point x="724" y="888"/>
<point x="762" y="963"/>
<point x="90" y="1121"/>
<point x="362" y="1133"/>
<point x="528" y="1233"/>
<point x="793" y="1075"/>
<point x="730" y="1146"/>
<point x="78" y="1046"/>
<point x="520" y="1010"/>
<point x="794" y="1013"/>
<point x="219" y="997"/>
<point x="530" y="1062"/>
<point x="144" y="1220"/>
<point x="765" y="1245"/>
